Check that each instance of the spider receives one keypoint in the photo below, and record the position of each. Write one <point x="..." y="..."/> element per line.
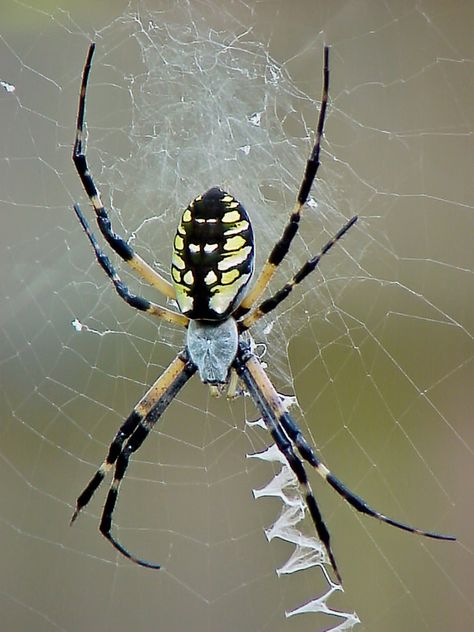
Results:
<point x="212" y="265"/>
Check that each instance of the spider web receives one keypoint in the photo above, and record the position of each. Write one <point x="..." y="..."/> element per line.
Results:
<point x="375" y="348"/>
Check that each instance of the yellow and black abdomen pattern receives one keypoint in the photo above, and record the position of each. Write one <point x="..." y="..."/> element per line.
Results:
<point x="213" y="256"/>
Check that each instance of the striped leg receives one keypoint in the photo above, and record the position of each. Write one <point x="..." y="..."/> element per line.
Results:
<point x="356" y="501"/>
<point x="282" y="246"/>
<point x="283" y="428"/>
<point x="271" y="408"/>
<point x="271" y="303"/>
<point x="119" y="245"/>
<point x="133" y="300"/>
<point x="132" y="433"/>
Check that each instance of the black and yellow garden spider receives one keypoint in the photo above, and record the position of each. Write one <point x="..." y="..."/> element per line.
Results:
<point x="212" y="264"/>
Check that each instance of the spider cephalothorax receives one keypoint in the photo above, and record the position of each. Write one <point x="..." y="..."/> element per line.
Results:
<point x="212" y="264"/>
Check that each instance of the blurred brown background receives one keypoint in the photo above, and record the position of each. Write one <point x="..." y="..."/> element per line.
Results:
<point x="381" y="340"/>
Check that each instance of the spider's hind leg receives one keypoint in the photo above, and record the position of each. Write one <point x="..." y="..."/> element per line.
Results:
<point x="117" y="243"/>
<point x="138" y="302"/>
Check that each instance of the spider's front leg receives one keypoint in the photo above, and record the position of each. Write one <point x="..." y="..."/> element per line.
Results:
<point x="272" y="409"/>
<point x="133" y="433"/>
<point x="287" y="436"/>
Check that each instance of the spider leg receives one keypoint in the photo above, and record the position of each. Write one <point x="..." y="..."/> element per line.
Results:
<point x="282" y="246"/>
<point x="134" y="431"/>
<point x="353" y="499"/>
<point x="250" y="372"/>
<point x="276" y="417"/>
<point x="271" y="303"/>
<point x="133" y="300"/>
<point x="117" y="243"/>
<point x="115" y="448"/>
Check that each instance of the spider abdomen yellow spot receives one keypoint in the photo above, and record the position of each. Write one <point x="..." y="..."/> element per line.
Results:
<point x="230" y="277"/>
<point x="234" y="243"/>
<point x="232" y="260"/>
<point x="231" y="216"/>
<point x="178" y="243"/>
<point x="213" y="252"/>
<point x="210" y="278"/>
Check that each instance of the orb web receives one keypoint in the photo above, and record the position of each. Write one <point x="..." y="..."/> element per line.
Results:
<point x="374" y="350"/>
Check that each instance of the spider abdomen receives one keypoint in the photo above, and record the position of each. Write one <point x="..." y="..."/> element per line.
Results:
<point x="213" y="256"/>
